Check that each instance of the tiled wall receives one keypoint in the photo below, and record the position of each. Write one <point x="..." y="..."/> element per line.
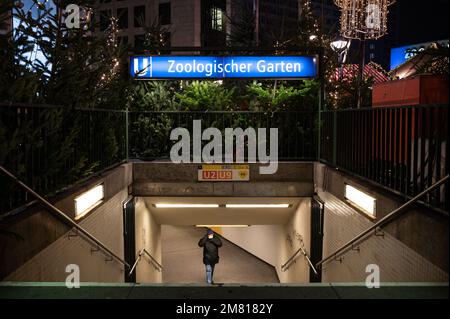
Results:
<point x="397" y="262"/>
<point x="106" y="224"/>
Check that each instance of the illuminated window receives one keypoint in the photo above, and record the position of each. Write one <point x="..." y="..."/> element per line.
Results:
<point x="361" y="200"/>
<point x="216" y="19"/>
<point x="87" y="201"/>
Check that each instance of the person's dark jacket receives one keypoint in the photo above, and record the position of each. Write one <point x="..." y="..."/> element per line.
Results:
<point x="210" y="249"/>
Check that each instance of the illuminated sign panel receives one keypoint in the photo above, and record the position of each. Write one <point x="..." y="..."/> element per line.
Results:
<point x="402" y="54"/>
<point x="88" y="200"/>
<point x="216" y="67"/>
<point x="361" y="200"/>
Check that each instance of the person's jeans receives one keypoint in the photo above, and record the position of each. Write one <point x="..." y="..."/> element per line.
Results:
<point x="209" y="273"/>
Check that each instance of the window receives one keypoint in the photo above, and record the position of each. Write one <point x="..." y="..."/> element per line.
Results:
<point x="372" y="46"/>
<point x="164" y="13"/>
<point x="372" y="56"/>
<point x="122" y="16"/>
<point x="216" y="19"/>
<point x="105" y="16"/>
<point x="139" y="16"/>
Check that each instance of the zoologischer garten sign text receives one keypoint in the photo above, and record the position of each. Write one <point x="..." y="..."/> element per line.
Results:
<point x="222" y="67"/>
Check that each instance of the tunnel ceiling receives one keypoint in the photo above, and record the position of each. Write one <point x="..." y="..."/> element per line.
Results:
<point x="222" y="215"/>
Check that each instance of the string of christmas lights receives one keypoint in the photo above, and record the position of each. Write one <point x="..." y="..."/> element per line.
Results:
<point x="363" y="18"/>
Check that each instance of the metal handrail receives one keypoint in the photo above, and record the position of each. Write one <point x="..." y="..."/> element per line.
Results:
<point x="65" y="218"/>
<point x="154" y="261"/>
<point x="382" y="221"/>
<point x="288" y="263"/>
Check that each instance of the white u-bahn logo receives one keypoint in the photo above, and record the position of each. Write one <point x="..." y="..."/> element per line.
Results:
<point x="142" y="67"/>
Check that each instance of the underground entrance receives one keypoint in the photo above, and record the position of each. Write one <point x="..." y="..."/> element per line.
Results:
<point x="259" y="235"/>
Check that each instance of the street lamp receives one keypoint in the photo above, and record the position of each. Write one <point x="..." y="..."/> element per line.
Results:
<point x="341" y="46"/>
<point x="363" y="20"/>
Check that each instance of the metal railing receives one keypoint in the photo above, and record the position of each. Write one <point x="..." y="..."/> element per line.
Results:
<point x="154" y="262"/>
<point x="403" y="149"/>
<point x="289" y="262"/>
<point x="60" y="214"/>
<point x="149" y="131"/>
<point x="52" y="147"/>
<point x="385" y="220"/>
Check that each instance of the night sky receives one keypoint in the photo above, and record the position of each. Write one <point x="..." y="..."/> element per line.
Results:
<point x="420" y="21"/>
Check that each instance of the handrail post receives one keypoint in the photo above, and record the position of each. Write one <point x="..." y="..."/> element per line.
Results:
<point x="127" y="123"/>
<point x="287" y="264"/>
<point x="154" y="261"/>
<point x="335" y="123"/>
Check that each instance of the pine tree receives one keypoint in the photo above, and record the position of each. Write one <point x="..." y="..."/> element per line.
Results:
<point x="243" y="24"/>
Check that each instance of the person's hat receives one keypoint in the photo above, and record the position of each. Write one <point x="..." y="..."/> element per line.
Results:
<point x="209" y="231"/>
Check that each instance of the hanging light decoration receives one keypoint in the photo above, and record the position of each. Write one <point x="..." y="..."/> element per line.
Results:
<point x="363" y="19"/>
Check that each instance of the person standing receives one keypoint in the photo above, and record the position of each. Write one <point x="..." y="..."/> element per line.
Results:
<point x="210" y="244"/>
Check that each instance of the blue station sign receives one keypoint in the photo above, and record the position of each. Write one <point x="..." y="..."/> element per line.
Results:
<point x="402" y="54"/>
<point x="223" y="67"/>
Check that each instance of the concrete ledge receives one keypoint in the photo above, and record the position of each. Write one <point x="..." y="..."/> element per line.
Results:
<point x="268" y="189"/>
<point x="27" y="290"/>
<point x="168" y="172"/>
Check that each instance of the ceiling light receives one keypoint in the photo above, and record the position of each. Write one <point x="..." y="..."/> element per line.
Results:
<point x="213" y="226"/>
<point x="161" y="205"/>
<point x="257" y="205"/>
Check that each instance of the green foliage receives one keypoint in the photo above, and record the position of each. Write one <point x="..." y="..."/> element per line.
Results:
<point x="283" y="98"/>
<point x="155" y="34"/>
<point x="243" y="23"/>
<point x="149" y="134"/>
<point x="344" y="94"/>
<point x="45" y="146"/>
<point x="203" y="96"/>
<point x="76" y="70"/>
<point x="154" y="96"/>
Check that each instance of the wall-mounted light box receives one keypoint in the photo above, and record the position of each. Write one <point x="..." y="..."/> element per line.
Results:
<point x="87" y="201"/>
<point x="362" y="201"/>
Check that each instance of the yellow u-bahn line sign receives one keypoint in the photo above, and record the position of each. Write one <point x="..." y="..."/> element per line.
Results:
<point x="223" y="173"/>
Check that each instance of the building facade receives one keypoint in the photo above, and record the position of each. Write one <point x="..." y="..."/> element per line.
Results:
<point x="180" y="18"/>
<point x="206" y="23"/>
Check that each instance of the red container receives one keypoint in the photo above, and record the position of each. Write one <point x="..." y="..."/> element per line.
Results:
<point x="392" y="126"/>
<point x="422" y="89"/>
